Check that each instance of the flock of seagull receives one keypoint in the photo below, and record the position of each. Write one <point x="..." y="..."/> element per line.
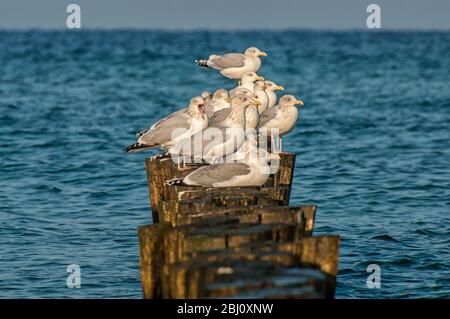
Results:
<point x="222" y="132"/>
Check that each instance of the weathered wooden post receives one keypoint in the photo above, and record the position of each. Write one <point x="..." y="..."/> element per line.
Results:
<point x="162" y="168"/>
<point x="232" y="242"/>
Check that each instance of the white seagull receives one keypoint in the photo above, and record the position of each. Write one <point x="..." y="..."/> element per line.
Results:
<point x="234" y="65"/>
<point x="261" y="96"/>
<point x="173" y="128"/>
<point x="252" y="171"/>
<point x="281" y="117"/>
<point x="222" y="138"/>
<point x="271" y="87"/>
<point x="220" y="100"/>
<point x="216" y="102"/>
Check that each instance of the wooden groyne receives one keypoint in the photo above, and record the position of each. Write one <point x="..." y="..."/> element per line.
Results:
<point x="240" y="242"/>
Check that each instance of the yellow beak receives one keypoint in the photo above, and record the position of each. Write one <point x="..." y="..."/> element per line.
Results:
<point x="260" y="78"/>
<point x="256" y="102"/>
<point x="279" y="87"/>
<point x="262" y="54"/>
<point x="300" y="102"/>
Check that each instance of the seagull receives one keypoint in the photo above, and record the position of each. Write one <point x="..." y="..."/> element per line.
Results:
<point x="173" y="128"/>
<point x="224" y="137"/>
<point x="252" y="171"/>
<point x="251" y="113"/>
<point x="248" y="82"/>
<point x="223" y="118"/>
<point x="281" y="117"/>
<point x="252" y="118"/>
<point x="234" y="65"/>
<point x="216" y="102"/>
<point x="271" y="87"/>
<point x="220" y="100"/>
<point x="261" y="96"/>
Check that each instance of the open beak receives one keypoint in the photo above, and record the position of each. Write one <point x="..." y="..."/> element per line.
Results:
<point x="299" y="102"/>
<point x="201" y="108"/>
<point x="262" y="54"/>
<point x="260" y="78"/>
<point x="279" y="87"/>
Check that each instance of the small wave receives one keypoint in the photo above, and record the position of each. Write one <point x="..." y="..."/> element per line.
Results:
<point x="425" y="232"/>
<point x="386" y="237"/>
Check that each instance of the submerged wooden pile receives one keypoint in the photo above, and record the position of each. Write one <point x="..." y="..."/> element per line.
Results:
<point x="243" y="242"/>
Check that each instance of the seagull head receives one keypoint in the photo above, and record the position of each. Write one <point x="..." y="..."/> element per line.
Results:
<point x="197" y="105"/>
<point x="242" y="101"/>
<point x="243" y="91"/>
<point x="290" y="100"/>
<point x="254" y="52"/>
<point x="272" y="86"/>
<point x="260" y="86"/>
<point x="221" y="95"/>
<point x="206" y="95"/>
<point x="251" y="77"/>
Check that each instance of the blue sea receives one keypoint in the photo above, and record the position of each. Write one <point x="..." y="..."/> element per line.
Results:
<point x="372" y="145"/>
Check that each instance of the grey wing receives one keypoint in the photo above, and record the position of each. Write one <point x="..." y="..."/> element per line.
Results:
<point x="216" y="173"/>
<point x="267" y="115"/>
<point x="218" y="117"/>
<point x="181" y="112"/>
<point x="231" y="60"/>
<point x="201" y="142"/>
<point x="161" y="132"/>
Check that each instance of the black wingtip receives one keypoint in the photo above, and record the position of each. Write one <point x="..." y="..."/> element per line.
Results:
<point x="136" y="147"/>
<point x="175" y="182"/>
<point x="202" y="62"/>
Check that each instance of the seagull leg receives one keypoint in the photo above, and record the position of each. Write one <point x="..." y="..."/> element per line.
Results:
<point x="281" y="144"/>
<point x="272" y="149"/>
<point x="273" y="144"/>
<point x="183" y="167"/>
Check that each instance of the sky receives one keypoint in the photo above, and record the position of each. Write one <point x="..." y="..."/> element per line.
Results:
<point x="226" y="14"/>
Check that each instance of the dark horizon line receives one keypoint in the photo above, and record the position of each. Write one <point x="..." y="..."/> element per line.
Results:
<point x="224" y="30"/>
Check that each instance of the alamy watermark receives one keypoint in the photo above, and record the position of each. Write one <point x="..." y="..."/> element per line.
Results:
<point x="374" y="19"/>
<point x="74" y="279"/>
<point x="73" y="21"/>
<point x="374" y="279"/>
<point x="230" y="145"/>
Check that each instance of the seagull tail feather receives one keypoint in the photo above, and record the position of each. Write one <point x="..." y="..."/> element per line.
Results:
<point x="137" y="147"/>
<point x="202" y="62"/>
<point x="175" y="182"/>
